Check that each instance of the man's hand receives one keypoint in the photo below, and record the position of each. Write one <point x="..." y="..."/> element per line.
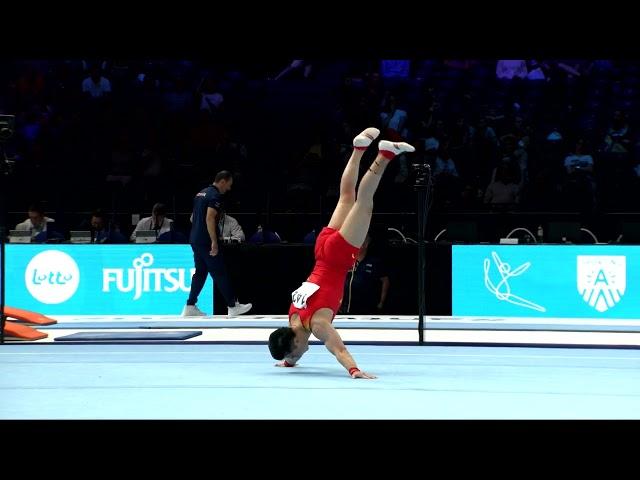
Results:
<point x="214" y="249"/>
<point x="361" y="374"/>
<point x="355" y="372"/>
<point x="284" y="363"/>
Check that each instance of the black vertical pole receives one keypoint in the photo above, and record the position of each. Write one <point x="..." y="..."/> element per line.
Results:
<point x="3" y="195"/>
<point x="421" y="264"/>
<point x="6" y="130"/>
<point x="422" y="186"/>
<point x="2" y="254"/>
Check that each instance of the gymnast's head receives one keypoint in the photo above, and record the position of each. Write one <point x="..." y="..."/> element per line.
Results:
<point x="281" y="342"/>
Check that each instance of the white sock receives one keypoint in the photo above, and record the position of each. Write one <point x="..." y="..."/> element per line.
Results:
<point x="391" y="149"/>
<point x="362" y="141"/>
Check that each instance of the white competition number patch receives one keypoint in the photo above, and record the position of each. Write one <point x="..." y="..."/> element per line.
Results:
<point x="300" y="296"/>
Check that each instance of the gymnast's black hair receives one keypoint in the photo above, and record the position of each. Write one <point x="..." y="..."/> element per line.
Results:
<point x="281" y="342"/>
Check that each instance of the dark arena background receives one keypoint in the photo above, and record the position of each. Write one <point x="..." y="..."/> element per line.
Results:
<point x="501" y="281"/>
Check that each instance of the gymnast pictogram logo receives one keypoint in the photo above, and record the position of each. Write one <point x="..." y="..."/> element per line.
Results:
<point x="502" y="290"/>
<point x="52" y="277"/>
<point x="602" y="280"/>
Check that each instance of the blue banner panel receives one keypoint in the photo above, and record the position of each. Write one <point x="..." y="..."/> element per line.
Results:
<point x="102" y="279"/>
<point x="569" y="281"/>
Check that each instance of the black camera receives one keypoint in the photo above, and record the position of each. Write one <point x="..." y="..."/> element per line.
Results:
<point x="423" y="174"/>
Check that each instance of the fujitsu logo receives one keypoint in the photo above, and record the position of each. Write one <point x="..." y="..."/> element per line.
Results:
<point x="141" y="279"/>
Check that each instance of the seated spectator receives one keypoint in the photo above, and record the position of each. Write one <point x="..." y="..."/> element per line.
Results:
<point x="510" y="69"/>
<point x="103" y="231"/>
<point x="158" y="221"/>
<point x="579" y="188"/>
<point x="264" y="236"/>
<point x="536" y="71"/>
<point x="96" y="86"/>
<point x="578" y="161"/>
<point x="504" y="189"/>
<point x="514" y="149"/>
<point x="231" y="230"/>
<point x="37" y="222"/>
<point x="393" y="120"/>
<point x="442" y="167"/>
<point x="210" y="99"/>
<point x="367" y="284"/>
<point x="617" y="139"/>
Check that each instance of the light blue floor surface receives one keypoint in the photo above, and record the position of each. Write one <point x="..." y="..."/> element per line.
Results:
<point x="191" y="381"/>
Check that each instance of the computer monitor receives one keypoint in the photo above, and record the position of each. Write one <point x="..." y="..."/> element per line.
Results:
<point x="80" y="236"/>
<point x="146" y="236"/>
<point x="466" y="232"/>
<point x="562" y="232"/>
<point x="630" y="232"/>
<point x="19" y="236"/>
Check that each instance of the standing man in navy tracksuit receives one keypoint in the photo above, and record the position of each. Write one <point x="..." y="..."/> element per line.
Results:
<point x="207" y="210"/>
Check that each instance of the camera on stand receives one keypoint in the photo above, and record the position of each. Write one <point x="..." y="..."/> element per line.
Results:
<point x="423" y="175"/>
<point x="7" y="128"/>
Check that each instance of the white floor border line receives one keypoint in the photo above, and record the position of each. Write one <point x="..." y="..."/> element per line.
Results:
<point x="380" y="352"/>
<point x="354" y="318"/>
<point x="391" y="335"/>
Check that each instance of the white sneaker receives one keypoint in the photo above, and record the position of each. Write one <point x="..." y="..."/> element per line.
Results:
<point x="192" y="311"/>
<point x="239" y="309"/>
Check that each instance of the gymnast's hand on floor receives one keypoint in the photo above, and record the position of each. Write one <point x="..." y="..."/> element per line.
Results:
<point x="361" y="374"/>
<point x="284" y="363"/>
